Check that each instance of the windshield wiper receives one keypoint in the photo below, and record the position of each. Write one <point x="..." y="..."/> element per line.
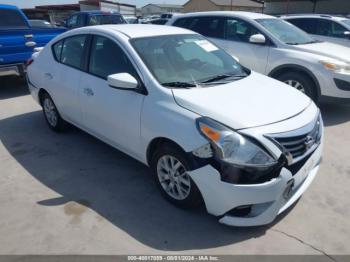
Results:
<point x="179" y="84"/>
<point x="305" y="43"/>
<point x="221" y="77"/>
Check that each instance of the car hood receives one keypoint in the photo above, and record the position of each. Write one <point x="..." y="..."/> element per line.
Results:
<point x="256" y="100"/>
<point x="327" y="49"/>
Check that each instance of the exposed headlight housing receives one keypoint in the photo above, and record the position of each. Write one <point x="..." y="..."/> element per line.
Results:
<point x="234" y="148"/>
<point x="336" y="66"/>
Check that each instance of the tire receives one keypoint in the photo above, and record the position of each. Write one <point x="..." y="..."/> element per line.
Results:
<point x="180" y="180"/>
<point x="301" y="82"/>
<point x="51" y="114"/>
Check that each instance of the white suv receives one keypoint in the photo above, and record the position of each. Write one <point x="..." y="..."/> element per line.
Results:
<point x="211" y="130"/>
<point x="334" y="29"/>
<point x="278" y="49"/>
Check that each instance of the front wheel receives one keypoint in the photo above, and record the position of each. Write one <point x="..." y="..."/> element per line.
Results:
<point x="170" y="166"/>
<point x="300" y="82"/>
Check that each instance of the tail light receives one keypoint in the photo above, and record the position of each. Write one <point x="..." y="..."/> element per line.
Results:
<point x="29" y="61"/>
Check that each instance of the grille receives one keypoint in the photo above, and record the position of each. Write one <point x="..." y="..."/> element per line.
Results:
<point x="299" y="143"/>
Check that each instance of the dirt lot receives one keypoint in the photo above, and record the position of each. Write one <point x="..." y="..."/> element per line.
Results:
<point x="72" y="194"/>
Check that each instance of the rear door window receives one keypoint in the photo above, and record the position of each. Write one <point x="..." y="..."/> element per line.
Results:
<point x="181" y="22"/>
<point x="72" y="21"/>
<point x="73" y="50"/>
<point x="80" y="20"/>
<point x="11" y="18"/>
<point x="105" y="19"/>
<point x="57" y="49"/>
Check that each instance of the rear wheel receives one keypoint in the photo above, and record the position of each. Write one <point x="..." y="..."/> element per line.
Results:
<point x="51" y="114"/>
<point x="300" y="82"/>
<point x="170" y="166"/>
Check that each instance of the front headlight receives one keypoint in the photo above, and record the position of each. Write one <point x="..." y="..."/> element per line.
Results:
<point x="336" y="66"/>
<point x="234" y="148"/>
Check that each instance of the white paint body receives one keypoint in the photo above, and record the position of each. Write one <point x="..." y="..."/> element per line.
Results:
<point x="266" y="58"/>
<point x="130" y="121"/>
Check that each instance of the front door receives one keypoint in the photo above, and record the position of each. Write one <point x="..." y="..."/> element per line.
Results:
<point x="110" y="113"/>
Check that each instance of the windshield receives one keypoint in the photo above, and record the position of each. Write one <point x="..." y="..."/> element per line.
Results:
<point x="106" y="19"/>
<point x="286" y="32"/>
<point x="187" y="60"/>
<point x="346" y="21"/>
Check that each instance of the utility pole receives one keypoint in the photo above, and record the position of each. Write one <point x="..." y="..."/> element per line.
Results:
<point x="231" y="5"/>
<point x="314" y="6"/>
<point x="287" y="7"/>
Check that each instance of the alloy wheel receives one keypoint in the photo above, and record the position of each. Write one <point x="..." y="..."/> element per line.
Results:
<point x="50" y="112"/>
<point x="173" y="177"/>
<point x="297" y="85"/>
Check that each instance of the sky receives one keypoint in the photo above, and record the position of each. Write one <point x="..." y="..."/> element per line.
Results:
<point x="32" y="3"/>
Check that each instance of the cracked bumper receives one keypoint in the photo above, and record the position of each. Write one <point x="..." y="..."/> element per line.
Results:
<point x="267" y="199"/>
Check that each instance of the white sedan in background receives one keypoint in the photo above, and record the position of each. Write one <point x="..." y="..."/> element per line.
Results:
<point x="211" y="130"/>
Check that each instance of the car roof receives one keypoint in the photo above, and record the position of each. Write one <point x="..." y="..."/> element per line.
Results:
<point x="334" y="17"/>
<point x="141" y="30"/>
<point x="10" y="7"/>
<point x="240" y="14"/>
<point x="97" y="12"/>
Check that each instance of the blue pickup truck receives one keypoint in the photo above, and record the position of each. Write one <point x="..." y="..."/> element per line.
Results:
<point x="18" y="40"/>
<point x="87" y="18"/>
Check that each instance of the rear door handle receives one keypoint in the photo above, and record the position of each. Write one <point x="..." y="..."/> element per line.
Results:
<point x="88" y="92"/>
<point x="30" y="44"/>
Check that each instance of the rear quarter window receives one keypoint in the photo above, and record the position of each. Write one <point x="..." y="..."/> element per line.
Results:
<point x="57" y="50"/>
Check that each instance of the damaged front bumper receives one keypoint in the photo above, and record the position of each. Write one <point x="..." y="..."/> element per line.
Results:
<point x="265" y="200"/>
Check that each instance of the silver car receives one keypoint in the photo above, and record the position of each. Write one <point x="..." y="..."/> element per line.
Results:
<point x="276" y="48"/>
<point x="334" y="29"/>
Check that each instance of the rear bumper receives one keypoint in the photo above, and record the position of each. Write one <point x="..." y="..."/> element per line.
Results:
<point x="12" y="70"/>
<point x="266" y="200"/>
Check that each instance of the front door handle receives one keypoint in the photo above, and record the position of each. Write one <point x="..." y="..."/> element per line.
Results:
<point x="88" y="92"/>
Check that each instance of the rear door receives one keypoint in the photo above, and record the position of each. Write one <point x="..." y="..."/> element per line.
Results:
<point x="16" y="38"/>
<point x="63" y="77"/>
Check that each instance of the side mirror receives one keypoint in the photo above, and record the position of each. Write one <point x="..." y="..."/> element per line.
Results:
<point x="122" y="81"/>
<point x="257" y="39"/>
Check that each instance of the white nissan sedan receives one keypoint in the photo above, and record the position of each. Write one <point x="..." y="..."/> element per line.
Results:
<point x="212" y="130"/>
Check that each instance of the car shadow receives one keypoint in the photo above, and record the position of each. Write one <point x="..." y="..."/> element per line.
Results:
<point x="335" y="114"/>
<point x="11" y="87"/>
<point x="118" y="188"/>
